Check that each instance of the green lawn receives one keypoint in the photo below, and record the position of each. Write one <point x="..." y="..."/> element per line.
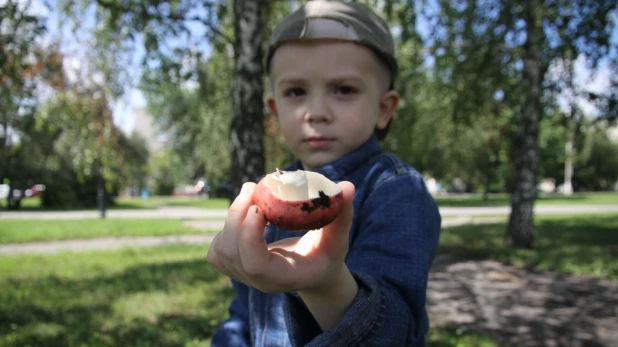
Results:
<point x="544" y="199"/>
<point x="161" y="296"/>
<point x="579" y="244"/>
<point x="127" y="203"/>
<point x="18" y="231"/>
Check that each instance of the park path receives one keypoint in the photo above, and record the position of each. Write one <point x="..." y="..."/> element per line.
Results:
<point x="187" y="212"/>
<point x="522" y="307"/>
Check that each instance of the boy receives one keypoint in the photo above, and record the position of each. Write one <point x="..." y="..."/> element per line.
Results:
<point x="362" y="279"/>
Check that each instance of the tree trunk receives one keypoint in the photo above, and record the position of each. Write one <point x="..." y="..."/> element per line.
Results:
<point x="521" y="222"/>
<point x="247" y="127"/>
<point x="100" y="191"/>
<point x="568" y="152"/>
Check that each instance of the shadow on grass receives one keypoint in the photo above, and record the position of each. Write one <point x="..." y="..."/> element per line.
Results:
<point x="581" y="244"/>
<point x="163" y="304"/>
<point x="529" y="297"/>
<point x="520" y="307"/>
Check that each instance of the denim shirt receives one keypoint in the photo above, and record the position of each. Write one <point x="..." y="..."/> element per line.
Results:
<point x="393" y="241"/>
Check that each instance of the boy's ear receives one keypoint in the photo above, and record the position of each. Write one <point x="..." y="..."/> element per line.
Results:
<point x="272" y="106"/>
<point x="388" y="105"/>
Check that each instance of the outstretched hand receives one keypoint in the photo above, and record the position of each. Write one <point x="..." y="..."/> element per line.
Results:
<point x="307" y="263"/>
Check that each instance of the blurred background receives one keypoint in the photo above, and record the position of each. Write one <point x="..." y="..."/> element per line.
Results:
<point x="126" y="124"/>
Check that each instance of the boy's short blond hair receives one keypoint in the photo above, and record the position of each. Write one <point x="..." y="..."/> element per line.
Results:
<point x="335" y="20"/>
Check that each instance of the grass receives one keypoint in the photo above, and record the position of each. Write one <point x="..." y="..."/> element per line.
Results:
<point x="20" y="231"/>
<point x="451" y="336"/>
<point x="476" y="200"/>
<point x="213" y="203"/>
<point x="170" y="296"/>
<point x="160" y="296"/>
<point x="581" y="244"/>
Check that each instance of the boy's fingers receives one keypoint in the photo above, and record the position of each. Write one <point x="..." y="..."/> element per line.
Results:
<point x="240" y="205"/>
<point x="336" y="233"/>
<point x="252" y="247"/>
<point x="236" y="215"/>
<point x="214" y="260"/>
<point x="212" y="257"/>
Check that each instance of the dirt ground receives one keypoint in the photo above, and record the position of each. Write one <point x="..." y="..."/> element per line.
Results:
<point x="521" y="307"/>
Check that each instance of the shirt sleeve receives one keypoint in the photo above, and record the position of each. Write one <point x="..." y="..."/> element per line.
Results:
<point x="235" y="330"/>
<point x="392" y="247"/>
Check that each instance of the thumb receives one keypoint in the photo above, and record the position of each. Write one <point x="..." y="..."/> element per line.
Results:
<point x="335" y="235"/>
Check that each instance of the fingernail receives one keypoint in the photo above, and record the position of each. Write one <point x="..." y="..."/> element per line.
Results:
<point x="244" y="190"/>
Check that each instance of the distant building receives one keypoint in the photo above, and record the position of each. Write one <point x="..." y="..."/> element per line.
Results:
<point x="145" y="127"/>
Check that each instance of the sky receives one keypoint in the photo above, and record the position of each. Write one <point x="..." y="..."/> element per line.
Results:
<point x="133" y="98"/>
<point x="74" y="49"/>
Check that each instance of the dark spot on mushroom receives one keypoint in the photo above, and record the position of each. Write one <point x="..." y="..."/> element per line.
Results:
<point x="256" y="209"/>
<point x="322" y="201"/>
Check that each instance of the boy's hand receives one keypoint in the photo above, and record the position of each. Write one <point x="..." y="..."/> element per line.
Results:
<point x="310" y="263"/>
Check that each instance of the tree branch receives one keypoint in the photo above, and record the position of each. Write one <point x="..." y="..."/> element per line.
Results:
<point x="176" y="17"/>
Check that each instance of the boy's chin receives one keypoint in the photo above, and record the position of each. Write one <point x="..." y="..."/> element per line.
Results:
<point x="312" y="165"/>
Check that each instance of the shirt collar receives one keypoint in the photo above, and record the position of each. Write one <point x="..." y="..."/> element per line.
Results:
<point x="342" y="167"/>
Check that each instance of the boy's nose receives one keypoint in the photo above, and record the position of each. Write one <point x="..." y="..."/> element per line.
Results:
<point x="318" y="111"/>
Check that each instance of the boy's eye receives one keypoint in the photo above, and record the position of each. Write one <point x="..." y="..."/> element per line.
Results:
<point x="345" y="90"/>
<point x="294" y="92"/>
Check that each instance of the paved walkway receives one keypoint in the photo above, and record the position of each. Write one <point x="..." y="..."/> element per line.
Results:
<point x="103" y="243"/>
<point x="523" y="307"/>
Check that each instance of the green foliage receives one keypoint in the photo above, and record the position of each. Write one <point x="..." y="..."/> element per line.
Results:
<point x="477" y="55"/>
<point x="552" y="141"/>
<point x="196" y="117"/>
<point x="27" y="64"/>
<point x="136" y="158"/>
<point x="460" y="82"/>
<point x="595" y="157"/>
<point x="165" y="172"/>
<point x="85" y="144"/>
<point x="597" y="163"/>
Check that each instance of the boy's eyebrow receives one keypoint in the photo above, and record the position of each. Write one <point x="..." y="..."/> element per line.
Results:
<point x="346" y="78"/>
<point x="333" y="80"/>
<point x="291" y="80"/>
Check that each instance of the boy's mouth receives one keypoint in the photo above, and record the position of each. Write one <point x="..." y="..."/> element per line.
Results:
<point x="319" y="142"/>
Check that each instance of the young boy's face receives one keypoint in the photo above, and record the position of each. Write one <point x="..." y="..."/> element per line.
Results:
<point x="328" y="97"/>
